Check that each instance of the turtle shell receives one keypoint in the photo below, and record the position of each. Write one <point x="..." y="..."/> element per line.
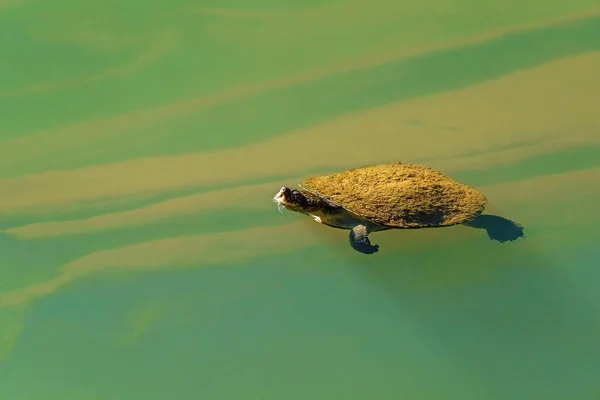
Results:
<point x="400" y="195"/>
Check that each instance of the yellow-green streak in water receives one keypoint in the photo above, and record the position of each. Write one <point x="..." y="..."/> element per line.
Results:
<point x="141" y="255"/>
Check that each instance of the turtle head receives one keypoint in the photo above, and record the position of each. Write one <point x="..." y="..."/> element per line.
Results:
<point x="295" y="200"/>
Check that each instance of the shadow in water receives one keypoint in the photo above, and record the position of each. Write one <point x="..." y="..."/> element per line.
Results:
<point x="494" y="310"/>
<point x="498" y="228"/>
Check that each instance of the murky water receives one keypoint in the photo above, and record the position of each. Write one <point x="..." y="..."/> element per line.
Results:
<point x="142" y="257"/>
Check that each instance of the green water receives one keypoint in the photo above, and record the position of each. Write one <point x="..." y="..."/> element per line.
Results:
<point x="141" y="255"/>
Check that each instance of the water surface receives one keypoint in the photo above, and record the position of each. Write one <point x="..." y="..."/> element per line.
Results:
<point x="141" y="256"/>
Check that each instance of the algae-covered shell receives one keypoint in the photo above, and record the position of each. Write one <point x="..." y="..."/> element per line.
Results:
<point x="400" y="195"/>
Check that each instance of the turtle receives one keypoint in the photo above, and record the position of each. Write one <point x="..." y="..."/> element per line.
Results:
<point x="392" y="196"/>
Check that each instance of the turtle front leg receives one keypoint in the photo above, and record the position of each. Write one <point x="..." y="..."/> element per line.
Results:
<point x="360" y="242"/>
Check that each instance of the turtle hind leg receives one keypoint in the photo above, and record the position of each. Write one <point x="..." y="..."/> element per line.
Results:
<point x="498" y="228"/>
<point x="359" y="240"/>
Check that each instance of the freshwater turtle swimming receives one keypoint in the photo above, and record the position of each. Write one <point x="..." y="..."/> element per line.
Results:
<point x="390" y="196"/>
